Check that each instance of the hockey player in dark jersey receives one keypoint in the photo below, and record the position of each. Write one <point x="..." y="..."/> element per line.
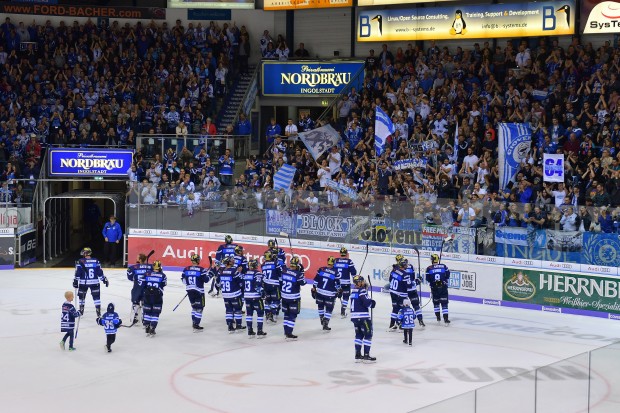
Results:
<point x="253" y="295"/>
<point x="412" y="290"/>
<point x="277" y="252"/>
<point x="154" y="284"/>
<point x="67" y="320"/>
<point x="290" y="286"/>
<point x="231" y="283"/>
<point x="346" y="269"/>
<point x="240" y="261"/>
<point x="227" y="249"/>
<point x="326" y="286"/>
<point x="271" y="283"/>
<point x="88" y="273"/>
<point x="110" y="322"/>
<point x="360" y="316"/>
<point x="136" y="273"/>
<point x="399" y="285"/>
<point x="195" y="277"/>
<point x="406" y="318"/>
<point x="437" y="276"/>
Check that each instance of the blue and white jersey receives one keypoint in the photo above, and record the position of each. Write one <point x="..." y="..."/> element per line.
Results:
<point x="195" y="277"/>
<point x="406" y="316"/>
<point x="346" y="269"/>
<point x="155" y="282"/>
<point x="252" y="284"/>
<point x="230" y="282"/>
<point x="290" y="284"/>
<point x="240" y="261"/>
<point x="437" y="275"/>
<point x="225" y="250"/>
<point x="69" y="314"/>
<point x="110" y="322"/>
<point x="137" y="272"/>
<point x="399" y="282"/>
<point x="271" y="273"/>
<point x="360" y="303"/>
<point x="410" y="272"/>
<point x="88" y="271"/>
<point x="327" y="282"/>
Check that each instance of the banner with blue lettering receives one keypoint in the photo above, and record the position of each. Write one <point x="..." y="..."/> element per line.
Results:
<point x="342" y="189"/>
<point x="90" y="162"/>
<point x="514" y="147"/>
<point x="545" y="245"/>
<point x="553" y="165"/>
<point x="410" y="163"/>
<point x="280" y="221"/>
<point x="307" y="79"/>
<point x="463" y="239"/>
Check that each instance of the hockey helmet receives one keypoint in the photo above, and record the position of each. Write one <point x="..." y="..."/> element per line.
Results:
<point x="399" y="257"/>
<point x="268" y="255"/>
<point x="239" y="250"/>
<point x="157" y="266"/>
<point x="434" y="259"/>
<point x="271" y="244"/>
<point x="195" y="258"/>
<point x="331" y="260"/>
<point x="358" y="279"/>
<point x="253" y="264"/>
<point x="111" y="308"/>
<point x="228" y="261"/>
<point x="295" y="262"/>
<point x="228" y="239"/>
<point x="403" y="263"/>
<point x="86" y="252"/>
<point x="343" y="252"/>
<point x="406" y="302"/>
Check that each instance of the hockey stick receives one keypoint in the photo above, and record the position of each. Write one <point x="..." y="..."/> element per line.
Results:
<point x="369" y="282"/>
<point x="149" y="255"/>
<point x="290" y="244"/>
<point x="449" y="238"/>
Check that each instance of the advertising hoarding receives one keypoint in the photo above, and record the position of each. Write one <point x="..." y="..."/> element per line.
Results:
<point x="90" y="162"/>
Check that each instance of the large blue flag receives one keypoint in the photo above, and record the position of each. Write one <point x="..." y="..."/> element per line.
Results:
<point x="515" y="140"/>
<point x="384" y="128"/>
<point x="284" y="177"/>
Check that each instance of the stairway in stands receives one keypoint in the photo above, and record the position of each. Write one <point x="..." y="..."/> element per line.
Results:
<point x="231" y="104"/>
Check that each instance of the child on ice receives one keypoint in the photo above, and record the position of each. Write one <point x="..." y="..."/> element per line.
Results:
<point x="67" y="321"/>
<point x="110" y="322"/>
<point x="406" y="317"/>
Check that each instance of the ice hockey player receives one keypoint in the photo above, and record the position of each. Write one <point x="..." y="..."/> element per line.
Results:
<point x="88" y="273"/>
<point x="231" y="282"/>
<point x="360" y="316"/>
<point x="346" y="269"/>
<point x="290" y="285"/>
<point x="399" y="285"/>
<point x="110" y="322"/>
<point x="154" y="284"/>
<point x="195" y="277"/>
<point x="67" y="320"/>
<point x="437" y="276"/>
<point x="136" y="273"/>
<point x="406" y="318"/>
<point x="252" y="292"/>
<point x="277" y="252"/>
<point x="271" y="283"/>
<point x="412" y="290"/>
<point x="227" y="249"/>
<point x="239" y="260"/>
<point x="326" y="286"/>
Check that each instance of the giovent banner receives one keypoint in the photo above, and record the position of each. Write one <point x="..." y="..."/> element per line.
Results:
<point x="463" y="21"/>
<point x="307" y="78"/>
<point x="90" y="162"/>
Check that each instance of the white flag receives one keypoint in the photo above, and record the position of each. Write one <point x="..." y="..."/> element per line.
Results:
<point x="319" y="140"/>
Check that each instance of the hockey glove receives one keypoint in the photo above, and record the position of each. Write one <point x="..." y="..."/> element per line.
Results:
<point x="339" y="293"/>
<point x="75" y="283"/>
<point x="313" y="293"/>
<point x="99" y="321"/>
<point x="373" y="303"/>
<point x="119" y="323"/>
<point x="106" y="282"/>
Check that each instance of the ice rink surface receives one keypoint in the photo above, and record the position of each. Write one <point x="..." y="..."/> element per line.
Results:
<point x="214" y="371"/>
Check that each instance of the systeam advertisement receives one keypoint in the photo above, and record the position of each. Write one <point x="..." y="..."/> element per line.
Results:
<point x="210" y="4"/>
<point x="462" y="21"/>
<point x="305" y="4"/>
<point x="600" y="16"/>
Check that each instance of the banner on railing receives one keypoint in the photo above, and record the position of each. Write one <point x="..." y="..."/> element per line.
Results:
<point x="90" y="162"/>
<point x="342" y="189"/>
<point x="411" y="163"/>
<point x="280" y="221"/>
<point x="328" y="227"/>
<point x="545" y="245"/>
<point x="562" y="290"/>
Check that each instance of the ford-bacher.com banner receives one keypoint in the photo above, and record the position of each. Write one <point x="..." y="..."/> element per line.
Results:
<point x="462" y="21"/>
<point x="307" y="78"/>
<point x="90" y="162"/>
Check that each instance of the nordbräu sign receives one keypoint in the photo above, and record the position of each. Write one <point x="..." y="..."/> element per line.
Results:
<point x="90" y="162"/>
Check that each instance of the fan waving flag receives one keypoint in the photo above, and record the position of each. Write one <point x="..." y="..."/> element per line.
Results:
<point x="384" y="128"/>
<point x="284" y="177"/>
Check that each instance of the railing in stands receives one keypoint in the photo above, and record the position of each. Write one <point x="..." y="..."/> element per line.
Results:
<point x="215" y="145"/>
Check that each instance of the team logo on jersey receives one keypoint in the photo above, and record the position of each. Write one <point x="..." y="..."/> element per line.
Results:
<point x="519" y="287"/>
